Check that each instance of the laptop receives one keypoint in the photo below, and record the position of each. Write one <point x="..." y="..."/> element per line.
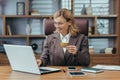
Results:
<point x="22" y="58"/>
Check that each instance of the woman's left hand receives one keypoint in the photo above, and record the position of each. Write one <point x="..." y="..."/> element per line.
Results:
<point x="72" y="49"/>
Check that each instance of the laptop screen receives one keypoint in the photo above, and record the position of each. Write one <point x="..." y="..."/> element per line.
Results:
<point x="22" y="58"/>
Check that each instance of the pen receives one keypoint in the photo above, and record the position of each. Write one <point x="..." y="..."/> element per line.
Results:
<point x="63" y="70"/>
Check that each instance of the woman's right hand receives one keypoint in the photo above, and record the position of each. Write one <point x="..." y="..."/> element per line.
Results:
<point x="39" y="62"/>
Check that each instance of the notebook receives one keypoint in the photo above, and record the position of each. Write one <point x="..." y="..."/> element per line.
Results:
<point x="22" y="59"/>
<point x="92" y="70"/>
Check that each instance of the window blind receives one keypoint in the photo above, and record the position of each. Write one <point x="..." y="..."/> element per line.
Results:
<point x="100" y="7"/>
<point x="45" y="7"/>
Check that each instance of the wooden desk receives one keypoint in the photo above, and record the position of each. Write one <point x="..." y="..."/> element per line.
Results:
<point x="7" y="74"/>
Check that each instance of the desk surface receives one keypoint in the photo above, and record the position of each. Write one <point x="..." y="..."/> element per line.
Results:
<point x="7" y="74"/>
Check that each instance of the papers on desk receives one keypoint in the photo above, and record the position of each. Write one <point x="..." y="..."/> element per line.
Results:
<point x="107" y="67"/>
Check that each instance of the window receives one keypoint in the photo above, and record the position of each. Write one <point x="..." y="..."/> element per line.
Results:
<point x="100" y="7"/>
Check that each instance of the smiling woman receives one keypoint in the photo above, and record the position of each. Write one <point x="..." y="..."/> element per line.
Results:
<point x="75" y="53"/>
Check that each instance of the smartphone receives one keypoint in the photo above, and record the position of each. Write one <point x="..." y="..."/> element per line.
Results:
<point x="71" y="68"/>
<point x="76" y="73"/>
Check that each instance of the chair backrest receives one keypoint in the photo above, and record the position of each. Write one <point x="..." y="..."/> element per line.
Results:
<point x="81" y="23"/>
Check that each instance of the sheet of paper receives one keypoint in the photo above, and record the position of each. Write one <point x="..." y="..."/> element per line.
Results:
<point x="107" y="67"/>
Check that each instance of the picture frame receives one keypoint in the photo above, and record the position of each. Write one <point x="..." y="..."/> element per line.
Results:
<point x="20" y="8"/>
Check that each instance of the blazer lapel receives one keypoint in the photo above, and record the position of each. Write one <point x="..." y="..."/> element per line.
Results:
<point x="73" y="40"/>
<point x="59" y="48"/>
<point x="57" y="43"/>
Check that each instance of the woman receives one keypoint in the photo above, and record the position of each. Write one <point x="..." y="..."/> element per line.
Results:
<point x="57" y="51"/>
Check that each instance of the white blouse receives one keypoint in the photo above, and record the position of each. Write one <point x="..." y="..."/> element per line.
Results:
<point x="65" y="39"/>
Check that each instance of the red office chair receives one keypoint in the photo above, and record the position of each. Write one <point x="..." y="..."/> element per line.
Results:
<point x="81" y="23"/>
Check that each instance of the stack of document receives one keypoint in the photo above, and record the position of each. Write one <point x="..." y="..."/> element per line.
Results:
<point x="107" y="67"/>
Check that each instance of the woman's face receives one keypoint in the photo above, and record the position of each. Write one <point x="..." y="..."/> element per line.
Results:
<point x="61" y="25"/>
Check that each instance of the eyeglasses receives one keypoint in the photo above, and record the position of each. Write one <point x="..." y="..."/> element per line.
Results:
<point x="59" y="23"/>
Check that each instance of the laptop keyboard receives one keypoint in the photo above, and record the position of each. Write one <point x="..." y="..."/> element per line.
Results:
<point x="47" y="70"/>
<point x="44" y="70"/>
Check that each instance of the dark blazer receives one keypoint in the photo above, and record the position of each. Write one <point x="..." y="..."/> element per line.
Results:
<point x="54" y="55"/>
